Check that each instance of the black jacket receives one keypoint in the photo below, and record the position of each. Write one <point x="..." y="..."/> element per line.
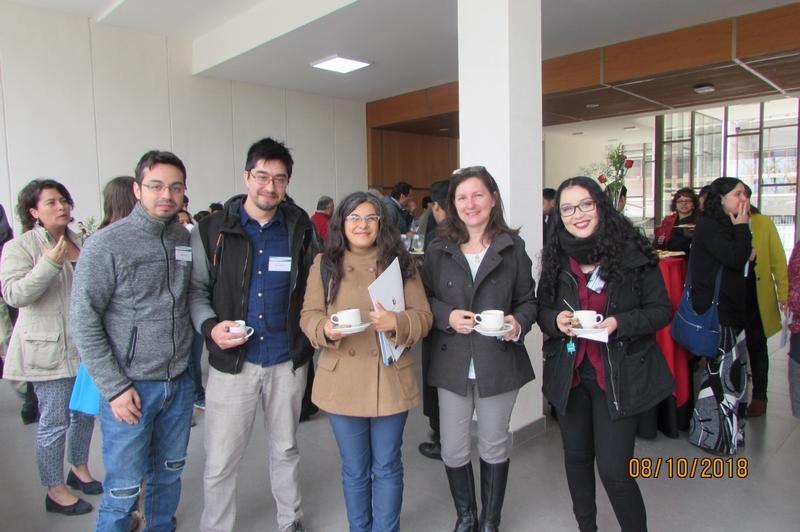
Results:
<point x="636" y="375"/>
<point x="227" y="252"/>
<point x="721" y="244"/>
<point x="504" y="282"/>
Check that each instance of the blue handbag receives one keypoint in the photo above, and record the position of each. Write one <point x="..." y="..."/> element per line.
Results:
<point x="699" y="333"/>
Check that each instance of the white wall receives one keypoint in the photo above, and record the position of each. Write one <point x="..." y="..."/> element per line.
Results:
<point x="565" y="155"/>
<point x="81" y="102"/>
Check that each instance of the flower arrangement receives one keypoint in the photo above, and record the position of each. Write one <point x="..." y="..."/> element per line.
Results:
<point x="613" y="172"/>
<point x="87" y="228"/>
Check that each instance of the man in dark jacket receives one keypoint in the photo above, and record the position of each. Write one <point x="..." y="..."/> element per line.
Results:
<point x="251" y="261"/>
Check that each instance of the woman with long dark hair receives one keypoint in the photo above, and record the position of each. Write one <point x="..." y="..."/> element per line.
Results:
<point x="36" y="271"/>
<point x="367" y="400"/>
<point x="477" y="264"/>
<point x="596" y="260"/>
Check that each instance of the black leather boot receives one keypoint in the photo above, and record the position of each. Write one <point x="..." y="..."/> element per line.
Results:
<point x="462" y="488"/>
<point x="493" y="491"/>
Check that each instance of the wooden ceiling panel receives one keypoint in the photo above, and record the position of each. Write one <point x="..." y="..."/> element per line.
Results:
<point x="432" y="126"/>
<point x="610" y="103"/>
<point x="553" y="119"/>
<point x="782" y="71"/>
<point x="571" y="72"/>
<point x="676" y="90"/>
<point x="768" y="32"/>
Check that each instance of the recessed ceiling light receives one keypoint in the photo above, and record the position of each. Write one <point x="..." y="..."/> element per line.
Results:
<point x="342" y="65"/>
<point x="630" y="128"/>
<point x="592" y="105"/>
<point x="576" y="133"/>
<point x="443" y="129"/>
<point x="704" y="88"/>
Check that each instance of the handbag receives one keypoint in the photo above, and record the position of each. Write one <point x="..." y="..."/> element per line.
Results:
<point x="699" y="333"/>
<point x="85" y="395"/>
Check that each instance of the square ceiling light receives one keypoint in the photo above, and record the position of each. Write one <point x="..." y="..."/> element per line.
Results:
<point x="342" y="65"/>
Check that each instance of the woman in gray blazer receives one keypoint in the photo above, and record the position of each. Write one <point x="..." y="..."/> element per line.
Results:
<point x="36" y="271"/>
<point x="477" y="264"/>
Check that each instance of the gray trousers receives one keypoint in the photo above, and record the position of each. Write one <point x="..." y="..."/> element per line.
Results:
<point x="231" y="406"/>
<point x="494" y="415"/>
<point x="55" y="420"/>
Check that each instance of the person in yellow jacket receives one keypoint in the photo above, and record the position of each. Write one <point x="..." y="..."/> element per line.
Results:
<point x="764" y="320"/>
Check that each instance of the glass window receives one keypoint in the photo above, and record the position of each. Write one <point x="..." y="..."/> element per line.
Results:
<point x="639" y="181"/>
<point x="781" y="112"/>
<point x="707" y="149"/>
<point x="677" y="126"/>
<point x="744" y="118"/>
<point x="778" y="191"/>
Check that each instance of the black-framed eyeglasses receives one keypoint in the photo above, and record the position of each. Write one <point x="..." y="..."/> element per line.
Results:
<point x="263" y="178"/>
<point x="587" y="205"/>
<point x="158" y="188"/>
<point x="356" y="219"/>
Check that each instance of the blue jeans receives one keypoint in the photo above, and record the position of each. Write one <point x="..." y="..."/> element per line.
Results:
<point x="372" y="469"/>
<point x="154" y="449"/>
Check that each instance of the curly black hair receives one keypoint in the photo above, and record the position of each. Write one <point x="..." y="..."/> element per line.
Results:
<point x="388" y="242"/>
<point x="713" y="205"/>
<point x="616" y="234"/>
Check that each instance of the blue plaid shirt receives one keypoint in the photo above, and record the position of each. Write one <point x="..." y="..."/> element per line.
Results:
<point x="268" y="299"/>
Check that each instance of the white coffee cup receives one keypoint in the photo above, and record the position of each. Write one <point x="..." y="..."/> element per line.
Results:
<point x="490" y="320"/>
<point x="588" y="318"/>
<point x="242" y="327"/>
<point x="347" y="318"/>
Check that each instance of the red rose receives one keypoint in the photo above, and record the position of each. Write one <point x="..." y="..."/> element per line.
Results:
<point x="628" y="163"/>
<point x="602" y="178"/>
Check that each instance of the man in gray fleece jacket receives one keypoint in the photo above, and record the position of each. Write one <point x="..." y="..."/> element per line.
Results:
<point x="130" y="322"/>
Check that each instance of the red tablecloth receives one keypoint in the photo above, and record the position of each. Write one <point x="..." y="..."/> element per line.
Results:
<point x="673" y="269"/>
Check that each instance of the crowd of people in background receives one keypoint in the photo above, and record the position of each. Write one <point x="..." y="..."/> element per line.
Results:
<point x="124" y="315"/>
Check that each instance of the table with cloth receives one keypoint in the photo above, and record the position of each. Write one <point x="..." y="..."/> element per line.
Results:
<point x="672" y="414"/>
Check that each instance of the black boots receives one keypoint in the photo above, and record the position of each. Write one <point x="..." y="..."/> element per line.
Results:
<point x="462" y="488"/>
<point x="493" y="491"/>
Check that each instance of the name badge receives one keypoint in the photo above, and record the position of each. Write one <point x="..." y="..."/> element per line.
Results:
<point x="280" y="264"/>
<point x="183" y="253"/>
<point x="596" y="283"/>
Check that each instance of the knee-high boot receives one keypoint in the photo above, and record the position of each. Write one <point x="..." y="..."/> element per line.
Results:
<point x="493" y="491"/>
<point x="462" y="488"/>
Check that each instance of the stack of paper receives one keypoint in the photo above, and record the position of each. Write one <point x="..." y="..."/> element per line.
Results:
<point x="387" y="290"/>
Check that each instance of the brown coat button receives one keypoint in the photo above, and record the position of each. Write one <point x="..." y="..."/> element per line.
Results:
<point x="374" y="352"/>
<point x="350" y="269"/>
<point x="352" y="352"/>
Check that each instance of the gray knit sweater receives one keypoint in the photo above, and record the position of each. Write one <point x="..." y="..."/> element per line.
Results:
<point x="129" y="306"/>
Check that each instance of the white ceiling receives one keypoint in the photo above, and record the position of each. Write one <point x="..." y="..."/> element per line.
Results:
<point x="411" y="43"/>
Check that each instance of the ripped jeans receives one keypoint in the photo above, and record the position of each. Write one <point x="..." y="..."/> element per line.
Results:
<point x="153" y="450"/>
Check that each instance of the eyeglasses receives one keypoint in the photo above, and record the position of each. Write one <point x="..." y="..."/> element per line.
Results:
<point x="158" y="188"/>
<point x="587" y="205"/>
<point x="356" y="219"/>
<point x="685" y="200"/>
<point x="263" y="178"/>
<point x="469" y="170"/>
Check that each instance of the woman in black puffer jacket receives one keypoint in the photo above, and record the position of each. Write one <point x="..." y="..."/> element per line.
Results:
<point x="596" y="260"/>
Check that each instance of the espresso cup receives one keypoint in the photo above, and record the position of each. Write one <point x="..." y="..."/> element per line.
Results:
<point x="347" y="318"/>
<point x="490" y="320"/>
<point x="242" y="327"/>
<point x="588" y="318"/>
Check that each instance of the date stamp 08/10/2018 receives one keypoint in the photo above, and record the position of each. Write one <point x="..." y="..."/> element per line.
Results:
<point x="688" y="467"/>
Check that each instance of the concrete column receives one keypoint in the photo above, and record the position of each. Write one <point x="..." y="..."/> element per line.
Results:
<point x="500" y="124"/>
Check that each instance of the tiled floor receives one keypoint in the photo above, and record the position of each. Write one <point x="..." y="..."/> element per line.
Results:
<point x="768" y="500"/>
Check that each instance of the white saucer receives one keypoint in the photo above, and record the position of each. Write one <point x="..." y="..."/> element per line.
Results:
<point x="507" y="327"/>
<point x="352" y="329"/>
